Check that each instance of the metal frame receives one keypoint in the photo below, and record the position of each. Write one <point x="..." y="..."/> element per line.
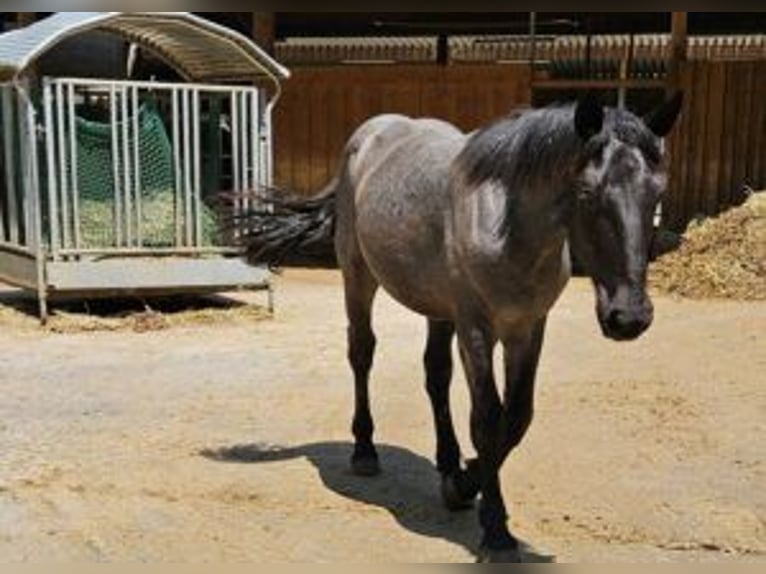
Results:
<point x="46" y="251"/>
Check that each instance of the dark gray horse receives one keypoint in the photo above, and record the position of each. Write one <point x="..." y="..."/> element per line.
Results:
<point x="475" y="232"/>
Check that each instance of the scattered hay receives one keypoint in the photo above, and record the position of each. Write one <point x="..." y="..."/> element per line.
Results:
<point x="131" y="315"/>
<point x="722" y="257"/>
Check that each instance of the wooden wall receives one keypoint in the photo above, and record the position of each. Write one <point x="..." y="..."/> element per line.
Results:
<point x="321" y="107"/>
<point x="719" y="146"/>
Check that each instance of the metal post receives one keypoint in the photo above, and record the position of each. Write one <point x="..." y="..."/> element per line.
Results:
<point x="197" y="160"/>
<point x="50" y="143"/>
<point x="187" y="169"/>
<point x="255" y="136"/>
<point x="127" y="177"/>
<point x="245" y="143"/>
<point x="137" y="168"/>
<point x="236" y="183"/>
<point x="75" y="182"/>
<point x="10" y="172"/>
<point x="116" y="166"/>
<point x="269" y="175"/>
<point x="175" y="111"/>
<point x="63" y="166"/>
<point x="32" y="189"/>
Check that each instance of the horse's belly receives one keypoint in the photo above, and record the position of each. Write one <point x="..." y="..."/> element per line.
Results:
<point x="403" y="245"/>
<point x="401" y="202"/>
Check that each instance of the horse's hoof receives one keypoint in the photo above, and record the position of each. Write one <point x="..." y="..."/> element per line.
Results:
<point x="453" y="498"/>
<point x="506" y="556"/>
<point x="365" y="466"/>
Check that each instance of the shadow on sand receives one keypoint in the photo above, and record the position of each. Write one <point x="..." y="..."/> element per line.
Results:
<point x="408" y="488"/>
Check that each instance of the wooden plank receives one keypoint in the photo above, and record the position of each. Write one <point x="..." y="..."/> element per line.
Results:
<point x="339" y="130"/>
<point x="744" y="73"/>
<point x="725" y="179"/>
<point x="697" y="140"/>
<point x="714" y="135"/>
<point x="683" y="154"/>
<point x="318" y="150"/>
<point x="300" y="136"/>
<point x="401" y="97"/>
<point x="629" y="83"/>
<point x="757" y="145"/>
<point x="282" y="129"/>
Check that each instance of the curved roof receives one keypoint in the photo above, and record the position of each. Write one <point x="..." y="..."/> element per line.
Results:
<point x="198" y="49"/>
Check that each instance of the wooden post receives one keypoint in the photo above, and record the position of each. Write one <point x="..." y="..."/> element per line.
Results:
<point x="679" y="47"/>
<point x="264" y="30"/>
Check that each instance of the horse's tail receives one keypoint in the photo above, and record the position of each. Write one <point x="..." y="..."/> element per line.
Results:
<point x="285" y="229"/>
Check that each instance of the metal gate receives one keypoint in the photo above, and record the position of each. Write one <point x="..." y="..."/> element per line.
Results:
<point x="219" y="139"/>
<point x="81" y="213"/>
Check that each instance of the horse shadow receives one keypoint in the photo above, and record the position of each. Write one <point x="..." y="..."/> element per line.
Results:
<point x="408" y="488"/>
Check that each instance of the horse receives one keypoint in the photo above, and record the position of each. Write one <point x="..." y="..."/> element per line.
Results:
<point x="476" y="232"/>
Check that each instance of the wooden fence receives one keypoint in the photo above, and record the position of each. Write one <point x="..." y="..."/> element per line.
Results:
<point x="718" y="147"/>
<point x="321" y="108"/>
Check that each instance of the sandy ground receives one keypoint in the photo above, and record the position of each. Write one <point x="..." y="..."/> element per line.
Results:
<point x="229" y="442"/>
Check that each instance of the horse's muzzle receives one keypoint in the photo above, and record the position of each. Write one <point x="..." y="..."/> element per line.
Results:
<point x="625" y="325"/>
<point x="625" y="318"/>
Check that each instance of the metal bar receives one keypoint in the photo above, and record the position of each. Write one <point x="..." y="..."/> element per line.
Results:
<point x="63" y="166"/>
<point x="197" y="160"/>
<point x="75" y="183"/>
<point x="105" y="86"/>
<point x="178" y="173"/>
<point x="137" y="167"/>
<point x="35" y="209"/>
<point x="3" y="202"/>
<point x="268" y="121"/>
<point x="50" y="148"/>
<point x="23" y="166"/>
<point x="245" y="144"/>
<point x="255" y="136"/>
<point x="10" y="172"/>
<point x="236" y="184"/>
<point x="187" y="169"/>
<point x="24" y="145"/>
<point x="16" y="249"/>
<point x="128" y="179"/>
<point x="139" y="251"/>
<point x="115" y="166"/>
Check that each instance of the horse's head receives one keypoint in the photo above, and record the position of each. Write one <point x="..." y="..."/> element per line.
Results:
<point x="619" y="182"/>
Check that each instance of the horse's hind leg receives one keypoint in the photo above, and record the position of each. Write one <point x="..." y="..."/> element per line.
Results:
<point x="360" y="289"/>
<point x="458" y="494"/>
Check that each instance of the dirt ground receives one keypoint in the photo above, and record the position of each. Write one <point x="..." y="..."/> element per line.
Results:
<point x="229" y="441"/>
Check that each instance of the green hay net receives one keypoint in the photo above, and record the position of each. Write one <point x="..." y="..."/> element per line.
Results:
<point x="158" y="202"/>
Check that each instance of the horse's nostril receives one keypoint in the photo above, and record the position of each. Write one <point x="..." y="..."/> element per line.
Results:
<point x="625" y="324"/>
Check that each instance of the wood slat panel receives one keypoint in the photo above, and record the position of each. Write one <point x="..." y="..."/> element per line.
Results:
<point x="712" y="161"/>
<point x="323" y="106"/>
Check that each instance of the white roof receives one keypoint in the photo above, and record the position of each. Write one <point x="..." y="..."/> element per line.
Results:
<point x="198" y="49"/>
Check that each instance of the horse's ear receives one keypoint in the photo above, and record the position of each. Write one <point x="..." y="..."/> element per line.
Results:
<point x="661" y="120"/>
<point x="589" y="116"/>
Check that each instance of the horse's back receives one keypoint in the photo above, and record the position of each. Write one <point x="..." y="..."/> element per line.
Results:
<point x="401" y="196"/>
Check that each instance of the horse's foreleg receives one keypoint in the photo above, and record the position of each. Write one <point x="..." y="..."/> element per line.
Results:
<point x="360" y="288"/>
<point x="522" y="356"/>
<point x="476" y="345"/>
<point x="458" y="494"/>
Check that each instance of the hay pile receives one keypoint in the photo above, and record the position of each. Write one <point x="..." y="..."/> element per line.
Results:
<point x="19" y="312"/>
<point x="722" y="257"/>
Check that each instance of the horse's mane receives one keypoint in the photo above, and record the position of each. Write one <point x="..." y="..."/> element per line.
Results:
<point x="541" y="144"/>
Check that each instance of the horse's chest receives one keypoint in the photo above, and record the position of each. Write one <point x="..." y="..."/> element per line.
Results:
<point x="517" y="291"/>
